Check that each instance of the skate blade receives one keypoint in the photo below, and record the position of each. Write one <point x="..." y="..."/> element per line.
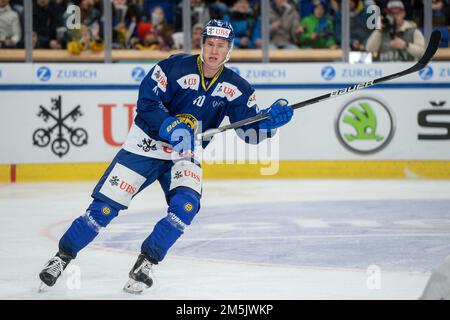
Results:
<point x="134" y="287"/>
<point x="42" y="287"/>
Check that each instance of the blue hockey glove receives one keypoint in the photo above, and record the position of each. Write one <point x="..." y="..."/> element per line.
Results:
<point x="279" y="112"/>
<point x="178" y="133"/>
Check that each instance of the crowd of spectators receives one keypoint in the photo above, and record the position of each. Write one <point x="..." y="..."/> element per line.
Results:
<point x="157" y="25"/>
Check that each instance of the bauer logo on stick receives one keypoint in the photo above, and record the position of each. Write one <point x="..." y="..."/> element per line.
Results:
<point x="352" y="88"/>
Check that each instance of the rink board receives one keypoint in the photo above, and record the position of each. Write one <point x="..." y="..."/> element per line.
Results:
<point x="409" y="136"/>
<point x="383" y="169"/>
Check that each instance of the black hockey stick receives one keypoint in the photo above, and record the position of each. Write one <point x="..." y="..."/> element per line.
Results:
<point x="429" y="53"/>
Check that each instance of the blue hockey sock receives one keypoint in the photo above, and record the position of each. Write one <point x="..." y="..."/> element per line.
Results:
<point x="183" y="206"/>
<point x="163" y="237"/>
<point x="85" y="228"/>
<point x="78" y="236"/>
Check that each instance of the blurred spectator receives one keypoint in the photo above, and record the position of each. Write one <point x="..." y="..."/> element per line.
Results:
<point x="318" y="28"/>
<point x="88" y="36"/>
<point x="125" y="19"/>
<point x="439" y="14"/>
<point x="409" y="7"/>
<point x="90" y="15"/>
<point x="305" y="8"/>
<point x="257" y="33"/>
<point x="48" y="24"/>
<point x="284" y="25"/>
<point x="199" y="14"/>
<point x="156" y="34"/>
<point x="358" y="28"/>
<point x="447" y="12"/>
<point x="146" y="38"/>
<point x="241" y="18"/>
<point x="162" y="29"/>
<point x="10" y="30"/>
<point x="396" y="39"/>
<point x="17" y="5"/>
<point x="168" y="6"/>
<point x="197" y="36"/>
<point x="217" y="9"/>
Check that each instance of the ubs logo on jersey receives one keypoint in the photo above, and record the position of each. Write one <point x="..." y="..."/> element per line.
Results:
<point x="226" y="90"/>
<point x="60" y="145"/>
<point x="115" y="181"/>
<point x="187" y="173"/>
<point x="190" y="81"/>
<point x="160" y="77"/>
<point x="193" y="175"/>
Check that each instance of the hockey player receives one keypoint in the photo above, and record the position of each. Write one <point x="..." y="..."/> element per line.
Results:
<point x="179" y="95"/>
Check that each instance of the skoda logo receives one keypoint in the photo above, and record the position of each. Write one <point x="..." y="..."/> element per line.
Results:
<point x="138" y="74"/>
<point x="328" y="72"/>
<point x="364" y="126"/>
<point x="43" y="74"/>
<point x="426" y="73"/>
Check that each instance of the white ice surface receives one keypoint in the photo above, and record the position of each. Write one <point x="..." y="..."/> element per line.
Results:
<point x="34" y="215"/>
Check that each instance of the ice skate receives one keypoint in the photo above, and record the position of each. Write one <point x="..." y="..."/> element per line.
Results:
<point x="53" y="270"/>
<point x="141" y="275"/>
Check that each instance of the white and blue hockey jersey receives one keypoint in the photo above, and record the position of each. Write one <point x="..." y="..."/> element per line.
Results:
<point x="176" y="87"/>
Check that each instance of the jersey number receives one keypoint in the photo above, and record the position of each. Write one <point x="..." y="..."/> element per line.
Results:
<point x="199" y="101"/>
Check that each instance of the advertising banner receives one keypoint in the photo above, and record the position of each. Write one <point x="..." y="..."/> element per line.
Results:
<point x="52" y="113"/>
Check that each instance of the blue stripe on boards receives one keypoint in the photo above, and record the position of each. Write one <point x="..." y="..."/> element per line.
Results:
<point x="293" y="86"/>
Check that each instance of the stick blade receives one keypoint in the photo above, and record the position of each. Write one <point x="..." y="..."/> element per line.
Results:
<point x="433" y="45"/>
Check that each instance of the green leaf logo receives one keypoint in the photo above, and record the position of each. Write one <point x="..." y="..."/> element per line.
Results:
<point x="364" y="122"/>
<point x="364" y="125"/>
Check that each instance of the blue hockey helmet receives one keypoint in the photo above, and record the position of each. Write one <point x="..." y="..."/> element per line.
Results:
<point x="219" y="29"/>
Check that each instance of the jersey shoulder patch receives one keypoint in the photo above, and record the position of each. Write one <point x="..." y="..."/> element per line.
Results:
<point x="189" y="81"/>
<point x="160" y="77"/>
<point x="226" y="90"/>
<point x="251" y="102"/>
<point x="171" y="68"/>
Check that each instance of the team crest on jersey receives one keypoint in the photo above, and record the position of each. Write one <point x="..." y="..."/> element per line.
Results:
<point x="189" y="119"/>
<point x="190" y="81"/>
<point x="160" y="77"/>
<point x="188" y="207"/>
<point x="106" y="211"/>
<point x="226" y="90"/>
